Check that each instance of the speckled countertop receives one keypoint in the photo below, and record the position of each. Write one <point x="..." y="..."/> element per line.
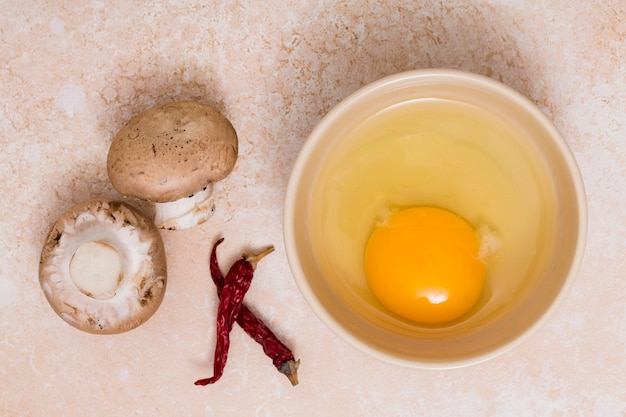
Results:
<point x="72" y="73"/>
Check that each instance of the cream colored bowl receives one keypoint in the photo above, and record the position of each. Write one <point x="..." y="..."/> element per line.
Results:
<point x="516" y="302"/>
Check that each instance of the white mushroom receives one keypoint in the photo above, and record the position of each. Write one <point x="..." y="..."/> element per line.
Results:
<point x="171" y="155"/>
<point x="103" y="267"/>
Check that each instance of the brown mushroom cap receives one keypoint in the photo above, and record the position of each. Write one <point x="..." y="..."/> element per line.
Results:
<point x="172" y="151"/>
<point x="124" y="232"/>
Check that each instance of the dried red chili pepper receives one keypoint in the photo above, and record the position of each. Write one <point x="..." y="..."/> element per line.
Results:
<point x="236" y="284"/>
<point x="282" y="357"/>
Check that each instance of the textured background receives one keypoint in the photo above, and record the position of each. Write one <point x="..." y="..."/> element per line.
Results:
<point x="72" y="73"/>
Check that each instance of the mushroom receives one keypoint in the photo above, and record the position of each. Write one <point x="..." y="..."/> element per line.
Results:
<point x="103" y="267"/>
<point x="172" y="155"/>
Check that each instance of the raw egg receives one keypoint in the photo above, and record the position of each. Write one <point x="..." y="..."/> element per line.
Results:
<point x="424" y="264"/>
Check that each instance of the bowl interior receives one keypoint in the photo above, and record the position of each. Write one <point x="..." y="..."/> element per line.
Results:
<point x="354" y="314"/>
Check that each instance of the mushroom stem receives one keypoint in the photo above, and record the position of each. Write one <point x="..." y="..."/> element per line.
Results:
<point x="96" y="269"/>
<point x="186" y="212"/>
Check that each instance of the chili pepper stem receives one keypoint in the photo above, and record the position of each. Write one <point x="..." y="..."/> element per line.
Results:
<point x="290" y="370"/>
<point x="255" y="258"/>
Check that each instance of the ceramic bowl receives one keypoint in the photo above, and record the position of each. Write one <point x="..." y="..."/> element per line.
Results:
<point x="340" y="296"/>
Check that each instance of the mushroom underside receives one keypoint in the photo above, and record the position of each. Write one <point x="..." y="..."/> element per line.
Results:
<point x="103" y="267"/>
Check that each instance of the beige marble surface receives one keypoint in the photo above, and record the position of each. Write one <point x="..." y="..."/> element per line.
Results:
<point x="73" y="72"/>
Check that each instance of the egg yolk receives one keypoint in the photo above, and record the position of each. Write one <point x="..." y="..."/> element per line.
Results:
<point x="423" y="264"/>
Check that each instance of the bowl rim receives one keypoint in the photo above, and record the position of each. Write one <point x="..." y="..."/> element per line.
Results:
<point x="336" y="112"/>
